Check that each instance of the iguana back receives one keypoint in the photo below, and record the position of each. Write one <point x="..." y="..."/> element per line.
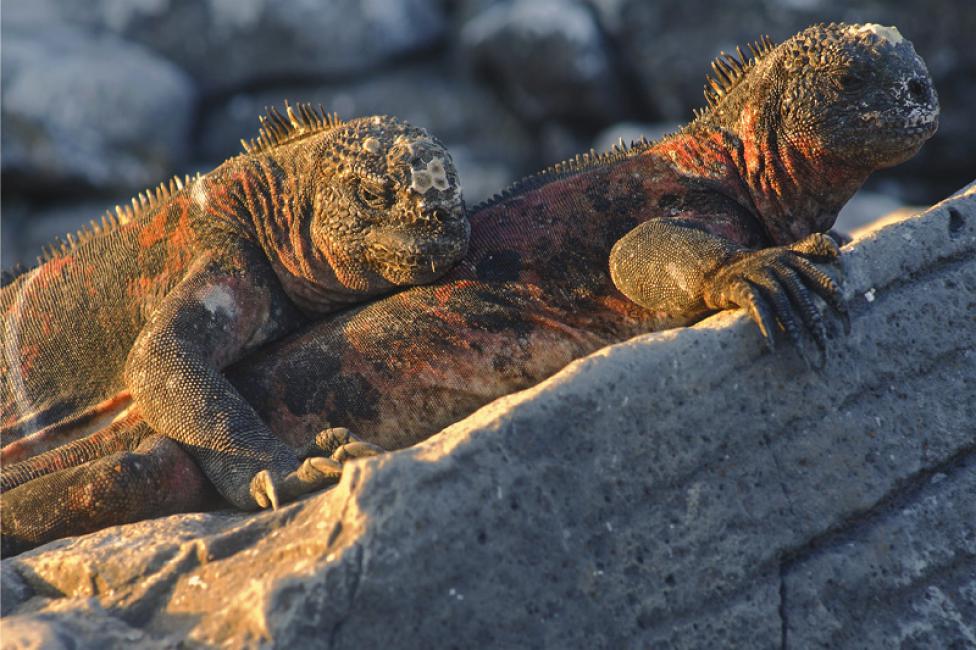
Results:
<point x="69" y="324"/>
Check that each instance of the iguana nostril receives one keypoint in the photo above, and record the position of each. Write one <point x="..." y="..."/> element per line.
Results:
<point x="439" y="215"/>
<point x="917" y="88"/>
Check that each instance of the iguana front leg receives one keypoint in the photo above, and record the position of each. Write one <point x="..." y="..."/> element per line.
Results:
<point x="676" y="266"/>
<point x="174" y="372"/>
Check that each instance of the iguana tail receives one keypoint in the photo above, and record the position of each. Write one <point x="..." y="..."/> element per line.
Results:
<point x="124" y="434"/>
<point x="70" y="428"/>
<point x="156" y="478"/>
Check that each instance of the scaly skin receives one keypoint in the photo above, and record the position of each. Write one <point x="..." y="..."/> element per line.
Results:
<point x="315" y="215"/>
<point x="727" y="212"/>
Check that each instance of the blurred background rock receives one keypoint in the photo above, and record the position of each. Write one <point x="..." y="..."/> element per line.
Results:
<point x="103" y="98"/>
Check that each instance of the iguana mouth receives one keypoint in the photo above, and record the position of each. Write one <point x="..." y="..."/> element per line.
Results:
<point x="402" y="260"/>
<point x="916" y="124"/>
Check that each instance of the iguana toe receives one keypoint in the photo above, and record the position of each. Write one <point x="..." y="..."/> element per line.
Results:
<point x="776" y="286"/>
<point x="356" y="449"/>
<point x="340" y="444"/>
<point x="817" y="246"/>
<point x="313" y="474"/>
<point x="264" y="491"/>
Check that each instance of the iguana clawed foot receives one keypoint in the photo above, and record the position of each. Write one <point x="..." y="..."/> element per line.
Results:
<point x="776" y="286"/>
<point x="322" y="467"/>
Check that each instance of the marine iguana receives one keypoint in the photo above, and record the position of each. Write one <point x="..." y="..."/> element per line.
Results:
<point x="728" y="212"/>
<point x="152" y="305"/>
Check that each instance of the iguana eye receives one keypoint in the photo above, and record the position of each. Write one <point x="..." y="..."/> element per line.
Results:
<point x="373" y="197"/>
<point x="852" y="80"/>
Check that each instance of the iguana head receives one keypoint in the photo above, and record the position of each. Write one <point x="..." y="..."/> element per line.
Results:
<point x="382" y="206"/>
<point x="860" y="91"/>
<point x="392" y="203"/>
<point x="856" y="93"/>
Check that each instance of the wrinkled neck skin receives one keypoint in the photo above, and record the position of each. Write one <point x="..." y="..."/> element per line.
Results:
<point x="796" y="185"/>
<point x="269" y="199"/>
<point x="793" y="187"/>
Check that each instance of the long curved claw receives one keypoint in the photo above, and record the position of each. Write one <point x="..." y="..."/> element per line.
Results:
<point x="340" y="444"/>
<point x="800" y="297"/>
<point x="749" y="297"/>
<point x="824" y="286"/>
<point x="774" y="293"/>
<point x="313" y="474"/>
<point x="264" y="491"/>
<point x="321" y="467"/>
<point x="357" y="449"/>
<point x="776" y="286"/>
<point x="800" y="300"/>
<point x="818" y="246"/>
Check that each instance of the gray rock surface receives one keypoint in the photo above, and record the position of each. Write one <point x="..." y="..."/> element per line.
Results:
<point x="86" y="110"/>
<point x="684" y="489"/>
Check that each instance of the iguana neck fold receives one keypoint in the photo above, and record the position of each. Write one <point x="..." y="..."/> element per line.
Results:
<point x="795" y="188"/>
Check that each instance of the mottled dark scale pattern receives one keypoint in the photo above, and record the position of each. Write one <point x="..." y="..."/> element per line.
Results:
<point x="729" y="212"/>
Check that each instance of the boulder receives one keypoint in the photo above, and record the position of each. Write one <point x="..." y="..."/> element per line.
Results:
<point x="684" y="489"/>
<point x="89" y="111"/>
<point x="226" y="44"/>
<point x="548" y="58"/>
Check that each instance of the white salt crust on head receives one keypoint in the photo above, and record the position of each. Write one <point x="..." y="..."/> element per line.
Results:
<point x="432" y="176"/>
<point x="890" y="34"/>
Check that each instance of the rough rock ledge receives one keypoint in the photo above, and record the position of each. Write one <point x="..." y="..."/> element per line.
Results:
<point x="684" y="489"/>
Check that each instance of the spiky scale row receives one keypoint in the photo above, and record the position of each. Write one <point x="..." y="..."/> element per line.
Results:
<point x="730" y="69"/>
<point x="576" y="165"/>
<point x="123" y="214"/>
<point x="149" y="199"/>
<point x="277" y="129"/>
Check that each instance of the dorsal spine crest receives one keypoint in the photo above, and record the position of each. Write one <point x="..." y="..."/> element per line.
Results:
<point x="728" y="70"/>
<point x="298" y="122"/>
<point x="576" y="165"/>
<point x="123" y="214"/>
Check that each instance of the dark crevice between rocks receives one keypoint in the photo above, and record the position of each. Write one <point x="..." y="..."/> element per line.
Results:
<point x="904" y="492"/>
<point x="956" y="222"/>
<point x="355" y="579"/>
<point x="784" y="625"/>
